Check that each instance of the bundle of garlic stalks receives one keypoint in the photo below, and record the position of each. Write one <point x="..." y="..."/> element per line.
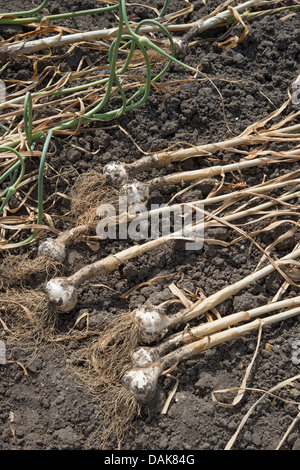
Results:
<point x="257" y="209"/>
<point x="254" y="148"/>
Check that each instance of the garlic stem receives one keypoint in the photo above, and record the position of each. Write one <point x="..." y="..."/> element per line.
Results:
<point x="186" y="176"/>
<point x="215" y="299"/>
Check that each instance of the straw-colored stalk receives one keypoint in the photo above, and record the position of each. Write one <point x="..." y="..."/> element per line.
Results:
<point x="63" y="291"/>
<point x="28" y="47"/>
<point x="140" y="192"/>
<point x="56" y="249"/>
<point x="273" y="391"/>
<point x="289" y="430"/>
<point x="202" y="25"/>
<point x="118" y="174"/>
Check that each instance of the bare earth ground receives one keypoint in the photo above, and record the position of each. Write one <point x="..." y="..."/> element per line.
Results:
<point x="49" y="409"/>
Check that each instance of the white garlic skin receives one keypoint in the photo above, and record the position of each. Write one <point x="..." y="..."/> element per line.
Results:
<point x="61" y="294"/>
<point x="181" y="47"/>
<point x="52" y="249"/>
<point x="153" y="324"/>
<point x="144" y="357"/>
<point x="115" y="174"/>
<point x="142" y="383"/>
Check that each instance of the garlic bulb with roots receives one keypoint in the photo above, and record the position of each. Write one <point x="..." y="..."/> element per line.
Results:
<point x="142" y="380"/>
<point x="153" y="324"/>
<point x="61" y="294"/>
<point x="142" y="383"/>
<point x="56" y="249"/>
<point x="53" y="249"/>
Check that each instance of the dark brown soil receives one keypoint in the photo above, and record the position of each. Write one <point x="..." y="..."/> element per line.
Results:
<point x="49" y="409"/>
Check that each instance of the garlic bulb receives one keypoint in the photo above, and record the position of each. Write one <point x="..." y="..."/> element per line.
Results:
<point x="52" y="249"/>
<point x="115" y="174"/>
<point x="61" y="294"/>
<point x="181" y="48"/>
<point x="153" y="324"/>
<point x="142" y="383"/>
